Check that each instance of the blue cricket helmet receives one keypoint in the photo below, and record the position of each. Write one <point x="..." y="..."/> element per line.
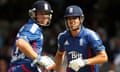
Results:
<point x="42" y="5"/>
<point x="73" y="10"/>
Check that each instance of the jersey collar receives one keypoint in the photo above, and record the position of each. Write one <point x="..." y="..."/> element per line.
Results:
<point x="81" y="31"/>
<point x="31" y="21"/>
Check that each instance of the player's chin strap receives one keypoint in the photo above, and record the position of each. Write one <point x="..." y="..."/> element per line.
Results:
<point x="48" y="23"/>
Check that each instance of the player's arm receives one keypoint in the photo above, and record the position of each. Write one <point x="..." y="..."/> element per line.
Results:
<point x="99" y="48"/>
<point x="100" y="58"/>
<point x="59" y="58"/>
<point x="26" y="48"/>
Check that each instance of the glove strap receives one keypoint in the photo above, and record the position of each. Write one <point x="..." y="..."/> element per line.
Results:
<point x="35" y="61"/>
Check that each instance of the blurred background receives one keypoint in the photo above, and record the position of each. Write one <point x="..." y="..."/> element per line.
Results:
<point x="103" y="16"/>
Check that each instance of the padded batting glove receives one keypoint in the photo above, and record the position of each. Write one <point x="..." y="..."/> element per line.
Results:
<point x="77" y="64"/>
<point x="44" y="61"/>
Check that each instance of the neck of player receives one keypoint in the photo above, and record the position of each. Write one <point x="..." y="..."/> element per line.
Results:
<point x="75" y="32"/>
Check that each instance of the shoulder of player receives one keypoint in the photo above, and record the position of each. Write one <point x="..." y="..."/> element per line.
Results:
<point x="91" y="33"/>
<point x="32" y="28"/>
<point x="62" y="34"/>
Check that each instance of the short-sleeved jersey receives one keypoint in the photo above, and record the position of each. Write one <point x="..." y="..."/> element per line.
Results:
<point x="85" y="45"/>
<point x="32" y="33"/>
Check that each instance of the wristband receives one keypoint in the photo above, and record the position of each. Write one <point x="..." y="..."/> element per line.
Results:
<point x="85" y="62"/>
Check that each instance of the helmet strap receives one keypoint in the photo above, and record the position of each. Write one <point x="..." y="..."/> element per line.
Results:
<point x="82" y="19"/>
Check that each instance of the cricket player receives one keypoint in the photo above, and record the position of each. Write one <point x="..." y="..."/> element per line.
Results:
<point x="29" y="41"/>
<point x="82" y="46"/>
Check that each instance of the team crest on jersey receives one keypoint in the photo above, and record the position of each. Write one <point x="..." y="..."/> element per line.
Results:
<point x="66" y="42"/>
<point x="71" y="10"/>
<point x="46" y="6"/>
<point x="81" y="42"/>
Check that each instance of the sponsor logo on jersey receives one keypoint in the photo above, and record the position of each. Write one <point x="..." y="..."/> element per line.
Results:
<point x="75" y="54"/>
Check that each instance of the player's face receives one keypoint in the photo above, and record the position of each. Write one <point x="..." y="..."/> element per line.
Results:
<point x="73" y="22"/>
<point x="42" y="18"/>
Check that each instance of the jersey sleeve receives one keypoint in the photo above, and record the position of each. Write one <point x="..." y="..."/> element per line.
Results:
<point x="29" y="33"/>
<point x="60" y="42"/>
<point x="95" y="41"/>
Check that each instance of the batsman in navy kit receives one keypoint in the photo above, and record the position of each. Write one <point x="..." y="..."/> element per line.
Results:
<point x="27" y="52"/>
<point x="82" y="46"/>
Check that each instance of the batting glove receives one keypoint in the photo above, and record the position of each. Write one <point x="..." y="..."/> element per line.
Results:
<point x="44" y="61"/>
<point x="77" y="64"/>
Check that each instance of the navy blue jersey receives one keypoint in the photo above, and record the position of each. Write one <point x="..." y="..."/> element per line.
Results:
<point x="32" y="33"/>
<point x="85" y="45"/>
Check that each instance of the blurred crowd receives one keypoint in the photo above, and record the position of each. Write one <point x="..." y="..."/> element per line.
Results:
<point x="98" y="16"/>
